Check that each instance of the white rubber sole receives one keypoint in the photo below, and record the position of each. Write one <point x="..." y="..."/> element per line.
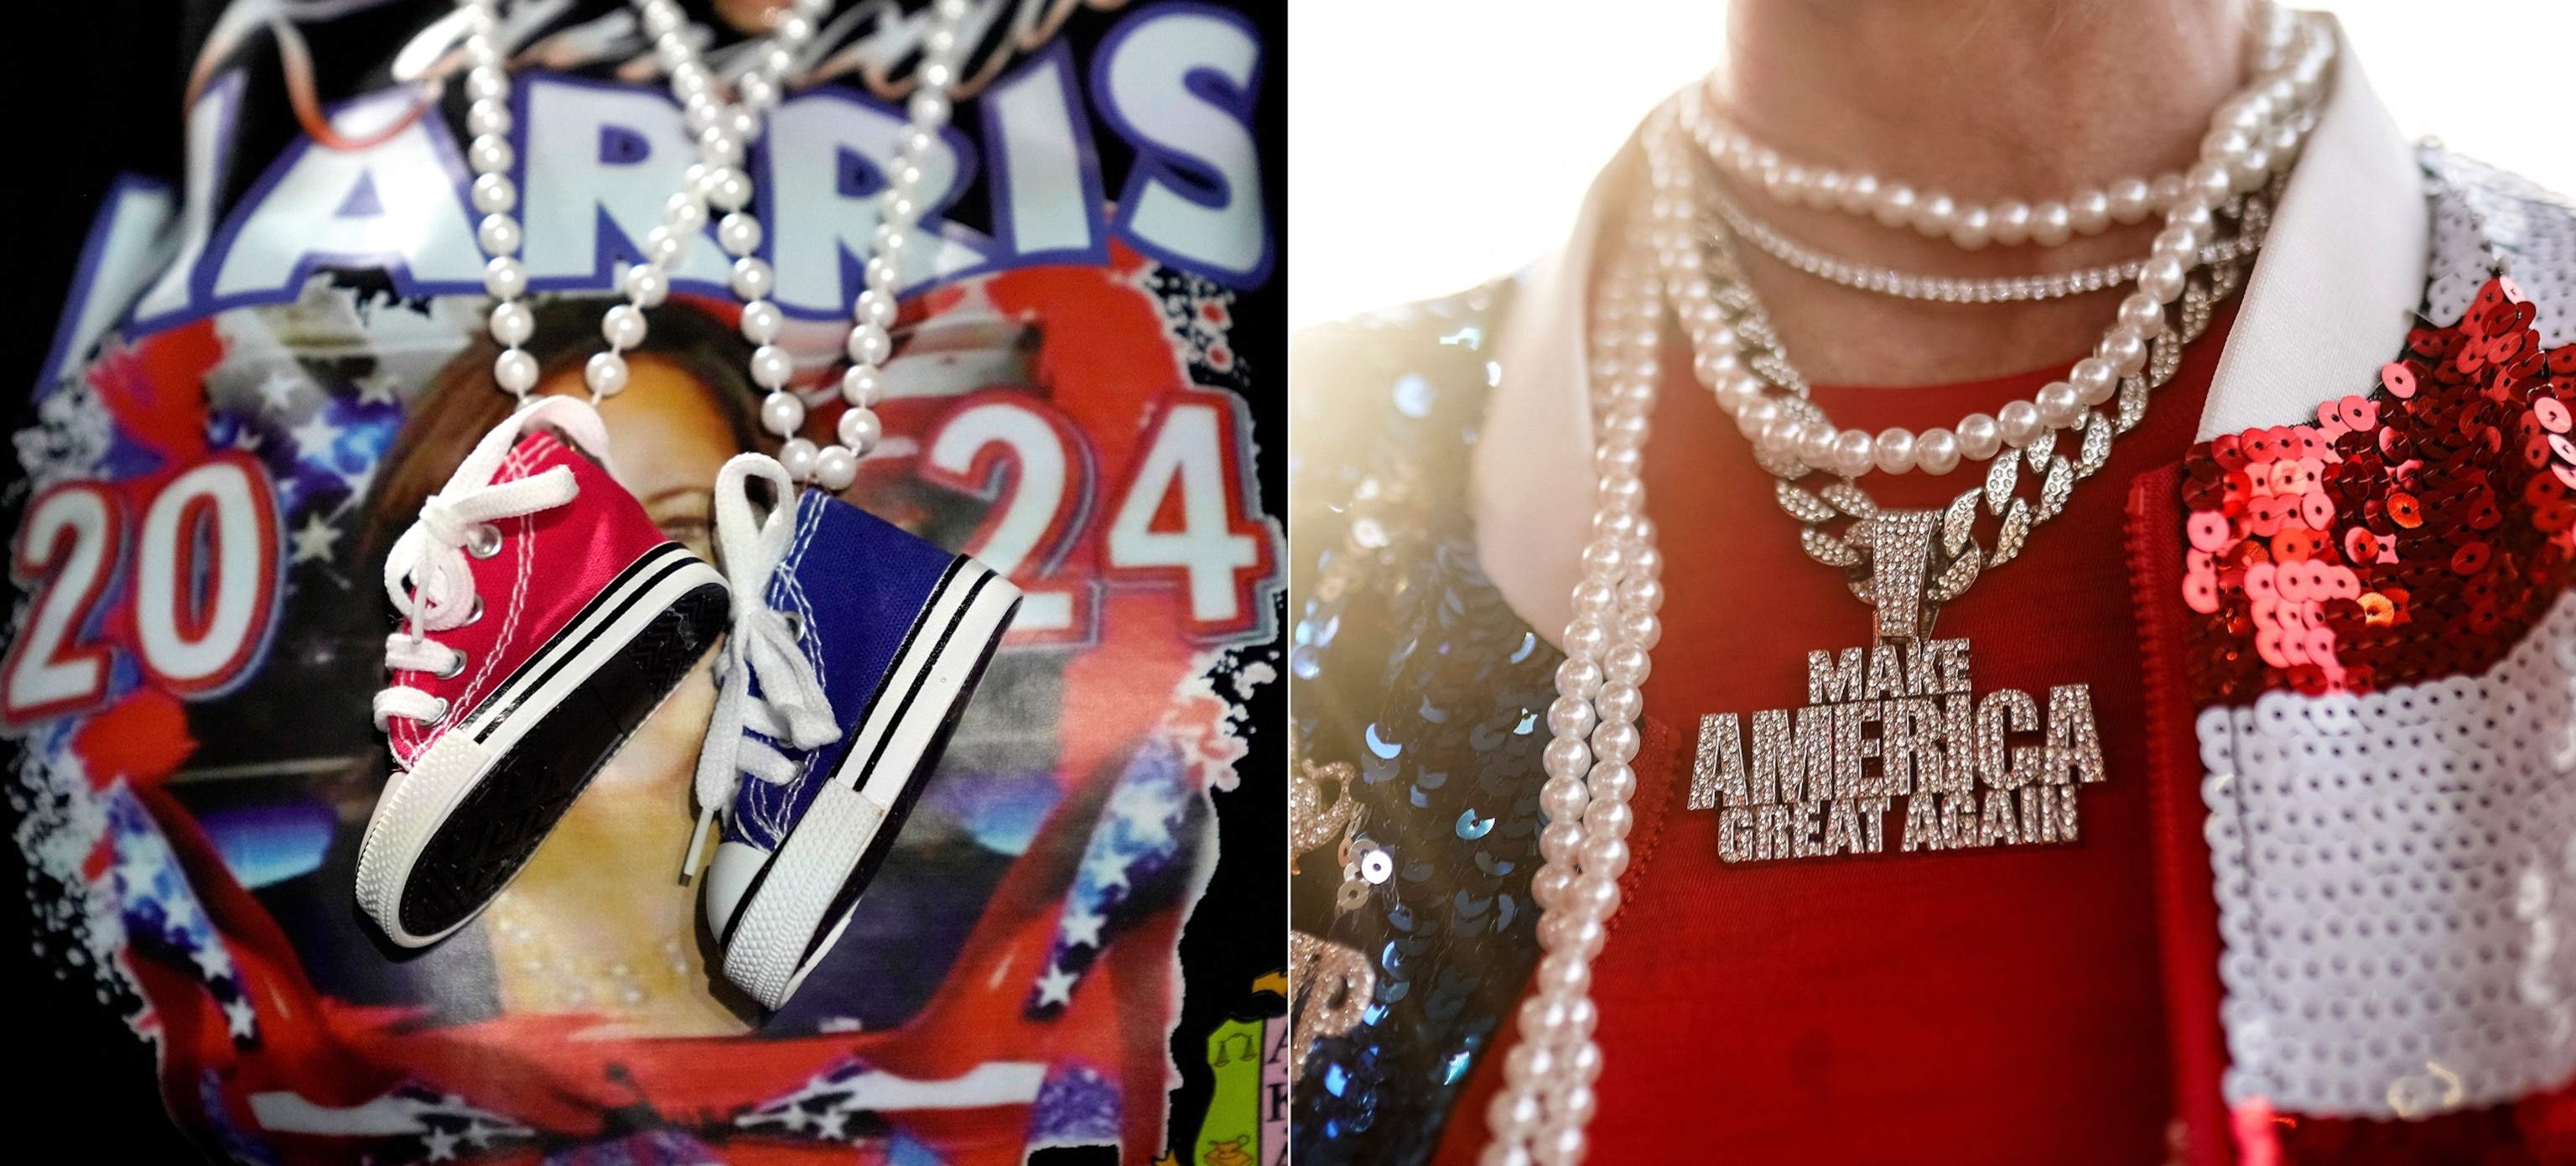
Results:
<point x="803" y="889"/>
<point x="417" y="803"/>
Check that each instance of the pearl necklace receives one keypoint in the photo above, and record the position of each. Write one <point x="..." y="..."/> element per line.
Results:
<point x="1789" y="426"/>
<point x="2249" y="133"/>
<point x="724" y="132"/>
<point x="1941" y="288"/>
<point x="1540" y="1113"/>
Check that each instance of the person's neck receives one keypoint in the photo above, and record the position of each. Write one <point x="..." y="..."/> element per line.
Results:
<point x="1984" y="100"/>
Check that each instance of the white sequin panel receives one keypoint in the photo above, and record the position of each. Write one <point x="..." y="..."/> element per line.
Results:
<point x="2484" y="218"/>
<point x="2396" y="878"/>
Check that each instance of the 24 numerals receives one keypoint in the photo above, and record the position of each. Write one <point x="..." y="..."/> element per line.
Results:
<point x="1181" y="517"/>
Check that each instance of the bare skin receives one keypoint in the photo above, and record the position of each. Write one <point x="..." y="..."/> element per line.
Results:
<point x="598" y="924"/>
<point x="1985" y="100"/>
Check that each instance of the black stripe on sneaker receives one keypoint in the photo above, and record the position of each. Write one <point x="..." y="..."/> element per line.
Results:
<point x="602" y="612"/>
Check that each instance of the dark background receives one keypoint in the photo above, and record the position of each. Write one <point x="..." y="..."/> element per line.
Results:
<point x="98" y="84"/>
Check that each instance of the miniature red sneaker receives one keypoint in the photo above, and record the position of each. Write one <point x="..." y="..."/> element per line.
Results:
<point x="546" y="617"/>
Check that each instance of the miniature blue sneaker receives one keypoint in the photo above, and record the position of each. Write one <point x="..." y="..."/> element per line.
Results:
<point x="855" y="646"/>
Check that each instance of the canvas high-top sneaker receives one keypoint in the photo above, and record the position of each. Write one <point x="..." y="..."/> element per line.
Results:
<point x="545" y="617"/>
<point x="855" y="646"/>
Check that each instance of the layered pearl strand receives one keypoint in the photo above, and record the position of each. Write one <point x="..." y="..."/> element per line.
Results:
<point x="2283" y="99"/>
<point x="2248" y="135"/>
<point x="1547" y="1098"/>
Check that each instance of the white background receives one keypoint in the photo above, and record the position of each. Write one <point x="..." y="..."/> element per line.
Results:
<point x="1435" y="144"/>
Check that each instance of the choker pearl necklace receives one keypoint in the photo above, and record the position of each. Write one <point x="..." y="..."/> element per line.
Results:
<point x="1905" y="563"/>
<point x="1942" y="288"/>
<point x="2248" y="137"/>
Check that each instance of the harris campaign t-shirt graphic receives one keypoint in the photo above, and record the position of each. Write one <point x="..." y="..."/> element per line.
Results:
<point x="265" y="362"/>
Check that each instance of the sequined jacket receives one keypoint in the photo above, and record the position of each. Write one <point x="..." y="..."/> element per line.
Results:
<point x="2373" y="720"/>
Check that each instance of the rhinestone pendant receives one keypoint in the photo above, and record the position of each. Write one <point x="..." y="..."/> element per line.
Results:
<point x="1897" y="727"/>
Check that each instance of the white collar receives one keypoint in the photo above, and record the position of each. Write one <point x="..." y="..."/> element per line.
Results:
<point x="2331" y="299"/>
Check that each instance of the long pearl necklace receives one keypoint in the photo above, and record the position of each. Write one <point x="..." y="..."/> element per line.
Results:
<point x="2250" y="134"/>
<point x="1547" y="1099"/>
<point x="724" y="131"/>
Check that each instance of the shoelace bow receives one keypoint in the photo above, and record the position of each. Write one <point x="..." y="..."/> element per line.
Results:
<point x="427" y="575"/>
<point x="792" y="707"/>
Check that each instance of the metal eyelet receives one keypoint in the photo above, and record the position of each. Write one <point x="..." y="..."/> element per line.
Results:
<point x="483" y="541"/>
<point x="454" y="669"/>
<point x="477" y="616"/>
<point x="795" y="624"/>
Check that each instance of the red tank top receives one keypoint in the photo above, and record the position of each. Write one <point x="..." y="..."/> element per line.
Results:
<point x="1983" y="1005"/>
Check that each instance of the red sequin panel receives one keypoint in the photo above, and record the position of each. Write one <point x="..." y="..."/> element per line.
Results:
<point x="2412" y="534"/>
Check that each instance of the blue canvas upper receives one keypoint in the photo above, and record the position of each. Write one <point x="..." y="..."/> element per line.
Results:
<point x="857" y="584"/>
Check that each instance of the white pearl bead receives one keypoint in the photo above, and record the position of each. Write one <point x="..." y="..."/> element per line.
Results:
<point x="797" y="456"/>
<point x="2162" y="278"/>
<point x="2019" y="422"/>
<point x="835" y="467"/>
<point x="2093" y="379"/>
<point x="1895" y="450"/>
<point x="718" y="147"/>
<point x="1641" y="628"/>
<point x="874" y="307"/>
<point x="1594" y="895"/>
<point x="1859" y="194"/>
<point x="738" y="234"/>
<point x="1603" y="558"/>
<point x="1611" y="781"/>
<point x="1895" y="206"/>
<point x="646" y="286"/>
<point x="1557" y="842"/>
<point x="2124" y="352"/>
<point x="1638" y="593"/>
<point x="1549" y="884"/>
<point x="663" y="246"/>
<point x="1562" y="799"/>
<point x="2010" y="223"/>
<point x="761" y="321"/>
<point x="1564" y="974"/>
<point x="2057" y="404"/>
<point x="2142" y="314"/>
<point x="1506" y="1152"/>
<point x="869" y="344"/>
<point x="771" y="366"/>
<point x="1578" y="677"/>
<point x="726" y="188"/>
<point x="1938" y="215"/>
<point x="860" y="429"/>
<point x="1824" y="189"/>
<point x="512" y="323"/>
<point x="1782" y="434"/>
<point x="782" y="414"/>
<point x="1979" y="436"/>
<point x="1617" y="701"/>
<point x="1970" y="228"/>
<point x="490" y="154"/>
<point x="1562" y="931"/>
<point x="622" y="326"/>
<point x="495" y="194"/>
<point x="1936" y="451"/>
<point x="1854" y="452"/>
<point x="2089" y="212"/>
<point x="2130" y="200"/>
<point x="752" y="277"/>
<point x="1623" y="493"/>
<point x="515" y="370"/>
<point x="2165" y="191"/>
<point x="2251" y="169"/>
<point x="756" y="90"/>
<point x="1608" y="819"/>
<point x="498" y="235"/>
<point x="1513" y="1115"/>
<point x="1816" y="444"/>
<point x="2051" y="224"/>
<point x="1737" y="393"/>
<point x="1594" y="597"/>
<point x="605" y="374"/>
<point x="684" y="212"/>
<point x="1625" y="664"/>
<point x="862" y="386"/>
<point x="1586" y="639"/>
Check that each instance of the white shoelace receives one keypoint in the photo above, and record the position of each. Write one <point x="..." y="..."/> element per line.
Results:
<point x="427" y="574"/>
<point x="792" y="706"/>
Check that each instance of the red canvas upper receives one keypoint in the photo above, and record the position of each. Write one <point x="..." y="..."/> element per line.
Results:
<point x="550" y="565"/>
